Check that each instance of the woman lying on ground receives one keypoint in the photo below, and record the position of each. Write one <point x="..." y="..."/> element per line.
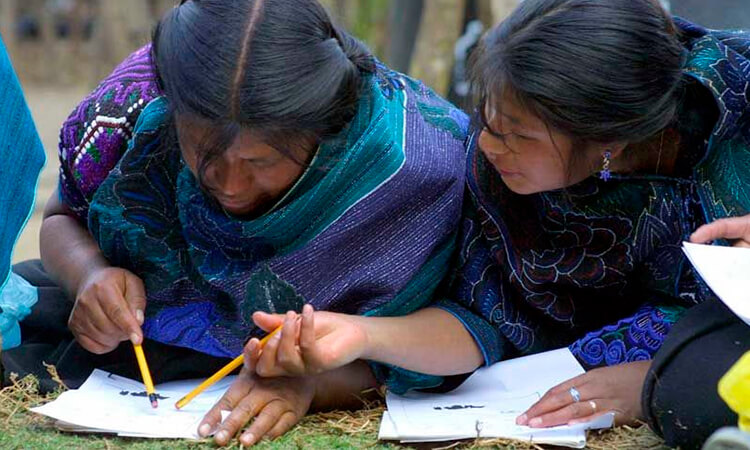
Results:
<point x="608" y="133"/>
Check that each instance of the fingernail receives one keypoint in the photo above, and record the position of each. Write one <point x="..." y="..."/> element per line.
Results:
<point x="134" y="338"/>
<point x="204" y="430"/>
<point x="139" y="316"/>
<point x="248" y="439"/>
<point x="222" y="435"/>
<point x="521" y="420"/>
<point x="535" y="422"/>
<point x="307" y="310"/>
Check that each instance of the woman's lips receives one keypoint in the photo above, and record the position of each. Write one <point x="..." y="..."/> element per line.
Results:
<point x="507" y="173"/>
<point x="233" y="205"/>
<point x="493" y="160"/>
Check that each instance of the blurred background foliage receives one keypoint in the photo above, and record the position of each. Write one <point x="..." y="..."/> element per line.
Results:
<point x="79" y="41"/>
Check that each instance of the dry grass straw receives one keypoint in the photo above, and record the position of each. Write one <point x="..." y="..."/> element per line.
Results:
<point x="22" y="394"/>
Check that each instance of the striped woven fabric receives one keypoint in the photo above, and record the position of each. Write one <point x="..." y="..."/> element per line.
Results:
<point x="21" y="160"/>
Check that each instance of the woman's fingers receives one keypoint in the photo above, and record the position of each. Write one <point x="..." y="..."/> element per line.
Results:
<point x="266" y="420"/>
<point x="109" y="309"/>
<point x="266" y="366"/>
<point x="252" y="352"/>
<point x="288" y="355"/>
<point x="283" y="424"/>
<point x="135" y="295"/>
<point x="307" y="330"/>
<point x="93" y="345"/>
<point x="232" y="397"/>
<point x="614" y="388"/>
<point x="566" y="414"/>
<point x="241" y="415"/>
<point x="554" y="399"/>
<point x="120" y="313"/>
<point x="729" y="228"/>
<point x="308" y="342"/>
<point x="267" y="322"/>
<point x="89" y="320"/>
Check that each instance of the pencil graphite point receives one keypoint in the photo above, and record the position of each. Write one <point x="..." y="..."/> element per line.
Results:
<point x="146" y="374"/>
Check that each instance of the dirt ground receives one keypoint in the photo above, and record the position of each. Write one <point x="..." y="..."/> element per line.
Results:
<point x="49" y="107"/>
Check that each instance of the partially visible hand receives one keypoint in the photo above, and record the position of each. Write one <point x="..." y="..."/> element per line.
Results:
<point x="608" y="389"/>
<point x="108" y="310"/>
<point x="316" y="342"/>
<point x="275" y="404"/>
<point x="735" y="229"/>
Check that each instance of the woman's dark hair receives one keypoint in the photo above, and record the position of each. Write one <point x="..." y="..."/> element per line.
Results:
<point x="595" y="70"/>
<point x="279" y="68"/>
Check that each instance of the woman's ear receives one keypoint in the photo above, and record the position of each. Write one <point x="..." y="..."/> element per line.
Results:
<point x="615" y="149"/>
<point x="606" y="159"/>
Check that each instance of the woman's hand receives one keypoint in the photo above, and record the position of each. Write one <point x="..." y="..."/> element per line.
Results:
<point x="735" y="229"/>
<point x="608" y="389"/>
<point x="275" y="404"/>
<point x="308" y="344"/>
<point x="314" y="342"/>
<point x="108" y="310"/>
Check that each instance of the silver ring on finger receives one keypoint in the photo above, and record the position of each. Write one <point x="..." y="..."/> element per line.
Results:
<point x="593" y="405"/>
<point x="575" y="394"/>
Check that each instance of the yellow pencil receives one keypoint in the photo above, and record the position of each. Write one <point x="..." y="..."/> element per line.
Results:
<point x="146" y="375"/>
<point x="224" y="371"/>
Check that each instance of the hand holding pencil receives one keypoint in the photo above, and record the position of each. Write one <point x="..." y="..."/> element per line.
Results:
<point x="311" y="343"/>
<point x="108" y="309"/>
<point x="278" y="402"/>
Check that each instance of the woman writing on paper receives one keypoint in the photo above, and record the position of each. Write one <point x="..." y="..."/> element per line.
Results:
<point x="607" y="133"/>
<point x="253" y="157"/>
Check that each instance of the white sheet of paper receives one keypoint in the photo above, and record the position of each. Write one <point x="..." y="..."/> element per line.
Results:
<point x="487" y="404"/>
<point x="105" y="403"/>
<point x="726" y="270"/>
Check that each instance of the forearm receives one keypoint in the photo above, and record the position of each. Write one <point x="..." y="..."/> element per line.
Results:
<point x="68" y="251"/>
<point x="430" y="341"/>
<point x="347" y="387"/>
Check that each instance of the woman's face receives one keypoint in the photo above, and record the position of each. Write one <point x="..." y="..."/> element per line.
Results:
<point x="529" y="156"/>
<point x="249" y="177"/>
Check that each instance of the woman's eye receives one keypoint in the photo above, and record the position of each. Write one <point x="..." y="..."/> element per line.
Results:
<point x="260" y="162"/>
<point x="522" y="137"/>
<point x="492" y="133"/>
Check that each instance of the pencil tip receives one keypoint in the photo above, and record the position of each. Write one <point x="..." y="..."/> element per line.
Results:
<point x="154" y="400"/>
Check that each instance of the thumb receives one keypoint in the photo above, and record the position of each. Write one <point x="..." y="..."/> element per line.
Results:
<point x="135" y="296"/>
<point x="267" y="322"/>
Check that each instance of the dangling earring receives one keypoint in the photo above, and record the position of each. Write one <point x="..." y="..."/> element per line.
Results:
<point x="605" y="174"/>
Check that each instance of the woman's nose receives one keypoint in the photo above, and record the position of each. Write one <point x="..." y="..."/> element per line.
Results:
<point x="228" y="179"/>
<point x="491" y="145"/>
